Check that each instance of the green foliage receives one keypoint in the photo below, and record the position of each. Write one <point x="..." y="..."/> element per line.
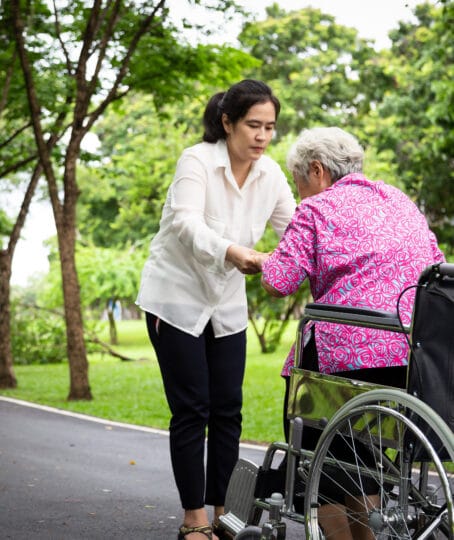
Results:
<point x="416" y="116"/>
<point x="312" y="64"/>
<point x="37" y="337"/>
<point x="124" y="191"/>
<point x="109" y="274"/>
<point x="214" y="65"/>
<point x="269" y="316"/>
<point x="39" y="333"/>
<point x="104" y="274"/>
<point x="399" y="103"/>
<point x="5" y="225"/>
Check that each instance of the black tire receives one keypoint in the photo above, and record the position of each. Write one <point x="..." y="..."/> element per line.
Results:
<point x="365" y="455"/>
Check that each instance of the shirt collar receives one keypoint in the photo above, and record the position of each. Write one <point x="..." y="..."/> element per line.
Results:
<point x="222" y="160"/>
<point x="221" y="156"/>
<point x="352" y="178"/>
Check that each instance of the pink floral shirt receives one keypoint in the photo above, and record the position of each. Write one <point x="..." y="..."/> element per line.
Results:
<point x="360" y="243"/>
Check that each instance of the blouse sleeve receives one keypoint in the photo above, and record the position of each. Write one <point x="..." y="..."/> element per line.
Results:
<point x="187" y="200"/>
<point x="293" y="259"/>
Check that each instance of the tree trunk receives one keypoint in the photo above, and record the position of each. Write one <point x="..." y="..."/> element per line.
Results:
<point x="7" y="377"/>
<point x="77" y="356"/>
<point x="112" y="326"/>
<point x="84" y="83"/>
<point x="65" y="220"/>
<point x="66" y="232"/>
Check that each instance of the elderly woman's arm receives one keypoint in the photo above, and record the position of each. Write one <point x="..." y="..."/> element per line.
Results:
<point x="271" y="290"/>
<point x="289" y="264"/>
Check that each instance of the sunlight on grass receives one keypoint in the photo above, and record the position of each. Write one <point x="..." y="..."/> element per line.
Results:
<point x="132" y="392"/>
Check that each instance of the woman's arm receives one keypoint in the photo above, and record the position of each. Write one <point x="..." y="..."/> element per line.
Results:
<point x="207" y="245"/>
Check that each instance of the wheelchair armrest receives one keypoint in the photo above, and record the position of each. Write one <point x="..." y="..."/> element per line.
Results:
<point x="354" y="316"/>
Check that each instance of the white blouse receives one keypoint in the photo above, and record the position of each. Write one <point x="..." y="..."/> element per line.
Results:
<point x="186" y="280"/>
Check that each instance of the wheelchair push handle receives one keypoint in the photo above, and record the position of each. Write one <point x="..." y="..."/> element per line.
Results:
<point x="446" y="269"/>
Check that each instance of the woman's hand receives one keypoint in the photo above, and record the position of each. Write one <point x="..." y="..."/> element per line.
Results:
<point x="248" y="261"/>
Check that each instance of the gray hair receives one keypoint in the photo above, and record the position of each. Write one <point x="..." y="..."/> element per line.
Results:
<point x="337" y="151"/>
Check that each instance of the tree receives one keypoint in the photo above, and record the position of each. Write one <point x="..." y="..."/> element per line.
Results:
<point x="76" y="60"/>
<point x="18" y="167"/>
<point x="312" y="63"/>
<point x="107" y="275"/>
<point x="415" y="118"/>
<point x="122" y="194"/>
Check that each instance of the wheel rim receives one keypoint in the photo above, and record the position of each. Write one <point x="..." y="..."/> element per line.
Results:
<point x="404" y="508"/>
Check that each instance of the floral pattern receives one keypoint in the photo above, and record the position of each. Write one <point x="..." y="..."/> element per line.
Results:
<point x="360" y="243"/>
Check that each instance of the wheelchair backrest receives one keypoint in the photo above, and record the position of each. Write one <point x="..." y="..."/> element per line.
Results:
<point x="431" y="362"/>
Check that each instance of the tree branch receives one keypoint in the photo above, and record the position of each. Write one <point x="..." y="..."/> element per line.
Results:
<point x="82" y="95"/>
<point x="18" y="131"/>
<point x="112" y="94"/>
<point x="108" y="348"/>
<point x="43" y="150"/>
<point x="113" y="19"/>
<point x="15" y="167"/>
<point x="60" y="40"/>
<point x="6" y="87"/>
<point x="20" y="220"/>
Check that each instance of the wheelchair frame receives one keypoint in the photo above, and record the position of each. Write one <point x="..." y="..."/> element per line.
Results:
<point x="409" y="445"/>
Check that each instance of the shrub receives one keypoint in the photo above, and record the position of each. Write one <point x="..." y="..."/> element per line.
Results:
<point x="37" y="336"/>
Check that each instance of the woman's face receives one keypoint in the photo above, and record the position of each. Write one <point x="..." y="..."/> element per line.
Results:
<point x="248" y="138"/>
<point x="305" y="186"/>
<point x="315" y="182"/>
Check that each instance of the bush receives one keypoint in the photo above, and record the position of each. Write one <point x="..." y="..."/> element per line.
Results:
<point x="37" y="336"/>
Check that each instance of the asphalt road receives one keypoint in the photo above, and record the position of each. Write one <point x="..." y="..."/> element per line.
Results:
<point x="73" y="477"/>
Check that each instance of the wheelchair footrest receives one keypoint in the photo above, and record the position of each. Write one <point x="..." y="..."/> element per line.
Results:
<point x="239" y="500"/>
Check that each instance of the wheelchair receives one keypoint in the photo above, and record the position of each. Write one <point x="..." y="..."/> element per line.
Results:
<point x="402" y="486"/>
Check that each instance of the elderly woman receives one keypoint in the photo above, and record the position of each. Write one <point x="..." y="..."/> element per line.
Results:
<point x="360" y="243"/>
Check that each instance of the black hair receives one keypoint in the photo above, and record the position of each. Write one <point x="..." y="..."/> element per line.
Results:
<point x="235" y="103"/>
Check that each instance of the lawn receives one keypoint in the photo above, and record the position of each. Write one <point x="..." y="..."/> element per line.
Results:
<point x="132" y="392"/>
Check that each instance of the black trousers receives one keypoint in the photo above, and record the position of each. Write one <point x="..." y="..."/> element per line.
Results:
<point x="203" y="380"/>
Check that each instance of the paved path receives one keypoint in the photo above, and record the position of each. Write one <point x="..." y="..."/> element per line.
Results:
<point x="73" y="477"/>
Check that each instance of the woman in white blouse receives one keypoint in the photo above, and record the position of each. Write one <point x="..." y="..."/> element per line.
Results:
<point x="224" y="192"/>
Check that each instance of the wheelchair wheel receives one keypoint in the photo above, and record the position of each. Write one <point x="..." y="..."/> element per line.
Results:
<point x="379" y="458"/>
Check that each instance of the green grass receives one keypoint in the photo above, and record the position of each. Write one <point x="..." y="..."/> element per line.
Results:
<point x="132" y="392"/>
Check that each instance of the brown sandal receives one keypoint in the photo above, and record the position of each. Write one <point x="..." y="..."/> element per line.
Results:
<point x="184" y="531"/>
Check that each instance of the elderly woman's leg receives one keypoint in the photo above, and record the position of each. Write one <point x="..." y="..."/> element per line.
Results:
<point x="358" y="511"/>
<point x="334" y="522"/>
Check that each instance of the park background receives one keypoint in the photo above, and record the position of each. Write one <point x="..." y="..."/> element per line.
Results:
<point x="97" y="104"/>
